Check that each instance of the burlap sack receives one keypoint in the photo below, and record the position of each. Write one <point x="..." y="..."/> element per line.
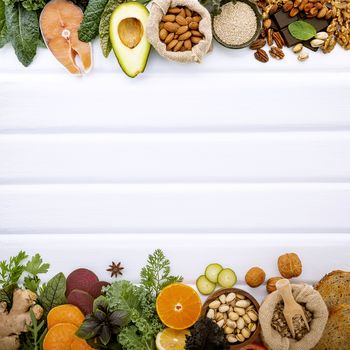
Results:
<point x="302" y="293"/>
<point x="158" y="9"/>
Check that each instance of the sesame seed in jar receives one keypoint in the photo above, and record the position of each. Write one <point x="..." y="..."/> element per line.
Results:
<point x="236" y="24"/>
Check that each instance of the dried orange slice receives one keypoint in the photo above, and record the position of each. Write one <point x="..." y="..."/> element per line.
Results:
<point x="60" y="337"/>
<point x="66" y="313"/>
<point x="178" y="306"/>
<point x="59" y="24"/>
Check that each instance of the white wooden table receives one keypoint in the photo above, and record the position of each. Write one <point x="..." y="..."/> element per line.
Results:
<point x="230" y="161"/>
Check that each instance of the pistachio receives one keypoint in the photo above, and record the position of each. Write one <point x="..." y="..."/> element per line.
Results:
<point x="214" y="304"/>
<point x="246" y="319"/>
<point x="224" y="308"/>
<point x="233" y="316"/>
<point x="252" y="315"/>
<point x="303" y="56"/>
<point x="252" y="327"/>
<point x="240" y="296"/>
<point x="240" y="338"/>
<point x="228" y="330"/>
<point x="221" y="323"/>
<point x="240" y="311"/>
<point x="321" y="35"/>
<point x="222" y="298"/>
<point x="297" y="48"/>
<point x="231" y="339"/>
<point x="211" y="314"/>
<point x="243" y="303"/>
<point x="231" y="324"/>
<point x="246" y="333"/>
<point x="317" y="42"/>
<point x="240" y="323"/>
<point x="219" y="316"/>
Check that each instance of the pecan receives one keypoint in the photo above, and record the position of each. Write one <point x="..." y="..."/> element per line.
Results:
<point x="257" y="44"/>
<point x="288" y="6"/>
<point x="273" y="9"/>
<point x="270" y="37"/>
<point x="308" y="7"/>
<point x="303" y="4"/>
<point x="261" y="56"/>
<point x="277" y="53"/>
<point x="277" y="37"/>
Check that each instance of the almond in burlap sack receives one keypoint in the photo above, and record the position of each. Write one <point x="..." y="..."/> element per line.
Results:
<point x="158" y="9"/>
<point x="313" y="301"/>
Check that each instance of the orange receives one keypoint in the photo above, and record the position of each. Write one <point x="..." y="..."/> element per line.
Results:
<point x="80" y="344"/>
<point x="59" y="24"/>
<point x="66" y="313"/>
<point x="178" y="306"/>
<point x="60" y="337"/>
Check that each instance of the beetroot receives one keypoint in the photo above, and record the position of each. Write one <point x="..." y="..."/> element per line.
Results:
<point x="82" y="279"/>
<point x="83" y="300"/>
<point x="95" y="289"/>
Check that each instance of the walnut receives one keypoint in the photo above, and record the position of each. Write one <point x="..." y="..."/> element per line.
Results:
<point x="289" y="265"/>
<point x="255" y="277"/>
<point x="271" y="284"/>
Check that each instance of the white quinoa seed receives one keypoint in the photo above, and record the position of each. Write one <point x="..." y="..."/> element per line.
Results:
<point x="236" y="24"/>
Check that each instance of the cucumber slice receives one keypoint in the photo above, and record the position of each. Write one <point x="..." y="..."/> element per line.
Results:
<point x="204" y="286"/>
<point x="212" y="272"/>
<point x="227" y="278"/>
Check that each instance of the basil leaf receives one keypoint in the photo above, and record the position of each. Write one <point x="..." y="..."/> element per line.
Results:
<point x="105" y="41"/>
<point x="23" y="28"/>
<point x="302" y="30"/>
<point x="54" y="293"/>
<point x="89" y="26"/>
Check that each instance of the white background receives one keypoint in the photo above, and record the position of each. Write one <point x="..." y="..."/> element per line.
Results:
<point x="230" y="161"/>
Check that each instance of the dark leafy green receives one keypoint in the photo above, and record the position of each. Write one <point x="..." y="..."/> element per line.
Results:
<point x="29" y="5"/>
<point x="156" y="274"/>
<point x="89" y="26"/>
<point x="102" y="326"/>
<point x="105" y="41"/>
<point x="53" y="293"/>
<point x="23" y="29"/>
<point x="302" y="30"/>
<point x="3" y="28"/>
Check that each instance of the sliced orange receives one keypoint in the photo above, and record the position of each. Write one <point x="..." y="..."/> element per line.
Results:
<point x="60" y="337"/>
<point x="178" y="306"/>
<point x="171" y="339"/>
<point x="66" y="313"/>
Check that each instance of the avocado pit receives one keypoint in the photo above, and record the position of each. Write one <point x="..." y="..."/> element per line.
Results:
<point x="130" y="32"/>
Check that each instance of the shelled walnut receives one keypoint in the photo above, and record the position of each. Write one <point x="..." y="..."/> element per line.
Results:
<point x="289" y="265"/>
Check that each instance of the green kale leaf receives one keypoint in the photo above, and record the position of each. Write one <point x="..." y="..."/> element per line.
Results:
<point x="29" y="5"/>
<point x="89" y="26"/>
<point x="156" y="274"/>
<point x="23" y="29"/>
<point x="53" y="293"/>
<point x="3" y="28"/>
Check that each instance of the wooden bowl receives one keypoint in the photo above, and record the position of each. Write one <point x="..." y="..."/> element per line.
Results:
<point x="216" y="294"/>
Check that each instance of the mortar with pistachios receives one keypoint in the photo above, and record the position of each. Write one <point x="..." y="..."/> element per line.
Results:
<point x="236" y="312"/>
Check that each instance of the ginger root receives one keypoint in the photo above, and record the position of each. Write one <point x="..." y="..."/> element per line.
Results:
<point x="17" y="320"/>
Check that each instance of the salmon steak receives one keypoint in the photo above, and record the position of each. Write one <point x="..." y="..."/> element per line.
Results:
<point x="59" y="24"/>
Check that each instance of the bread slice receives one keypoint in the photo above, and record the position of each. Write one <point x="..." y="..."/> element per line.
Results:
<point x="336" y="335"/>
<point x="335" y="288"/>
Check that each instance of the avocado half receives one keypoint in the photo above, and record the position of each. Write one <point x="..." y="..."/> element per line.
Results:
<point x="127" y="30"/>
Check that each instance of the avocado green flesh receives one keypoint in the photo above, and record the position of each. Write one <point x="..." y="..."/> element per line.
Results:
<point x="128" y="37"/>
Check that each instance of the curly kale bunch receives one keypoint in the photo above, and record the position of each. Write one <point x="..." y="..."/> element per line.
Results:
<point x="206" y="335"/>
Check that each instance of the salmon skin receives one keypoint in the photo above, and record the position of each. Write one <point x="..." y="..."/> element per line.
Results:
<point x="59" y="24"/>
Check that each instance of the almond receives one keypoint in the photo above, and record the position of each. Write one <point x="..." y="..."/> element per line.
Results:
<point x="163" y="34"/>
<point x="293" y="12"/>
<point x="182" y="30"/>
<point x="189" y="20"/>
<point x="171" y="27"/>
<point x="185" y="36"/>
<point x="174" y="10"/>
<point x="172" y="44"/>
<point x="168" y="18"/>
<point x="194" y="25"/>
<point x="188" y="12"/>
<point x="181" y="20"/>
<point x="196" y="33"/>
<point x="195" y="39"/>
<point x="178" y="46"/>
<point x="197" y="18"/>
<point x="188" y="44"/>
<point x="169" y="38"/>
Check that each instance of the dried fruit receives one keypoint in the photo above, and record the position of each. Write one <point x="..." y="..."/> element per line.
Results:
<point x="255" y="277"/>
<point x="261" y="56"/>
<point x="289" y="265"/>
<point x="257" y="44"/>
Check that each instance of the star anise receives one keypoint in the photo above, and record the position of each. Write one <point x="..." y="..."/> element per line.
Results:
<point x="115" y="269"/>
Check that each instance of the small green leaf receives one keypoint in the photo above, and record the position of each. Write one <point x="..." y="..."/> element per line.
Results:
<point x="302" y="30"/>
<point x="36" y="266"/>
